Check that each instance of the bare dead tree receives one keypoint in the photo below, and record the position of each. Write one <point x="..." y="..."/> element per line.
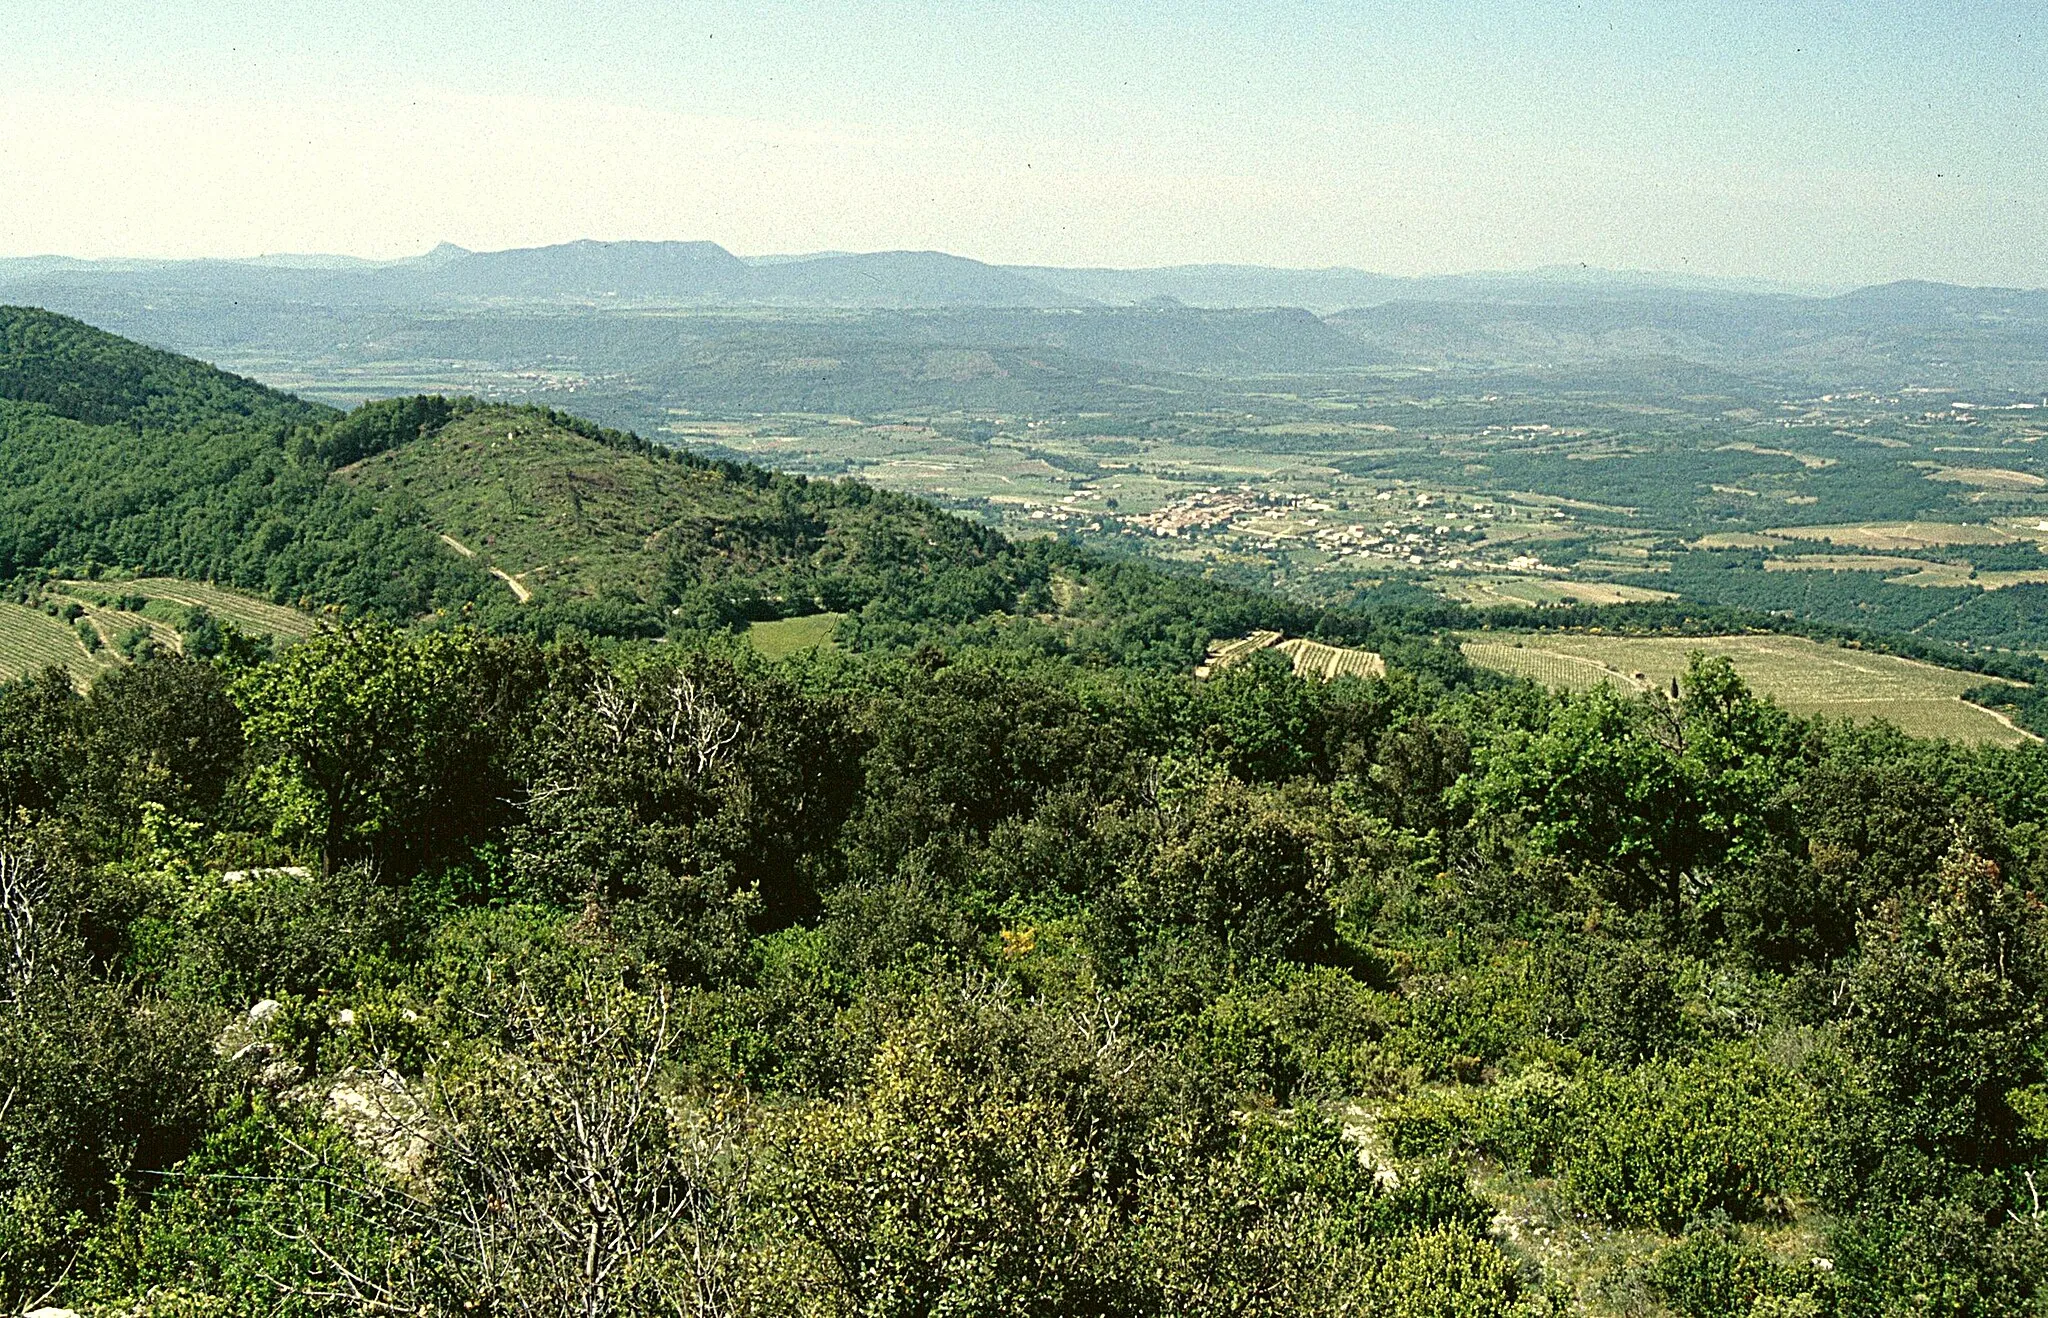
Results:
<point x="561" y="1179"/>
<point x="26" y="924"/>
<point x="689" y="728"/>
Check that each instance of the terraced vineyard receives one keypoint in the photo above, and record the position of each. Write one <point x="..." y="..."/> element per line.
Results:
<point x="1224" y="654"/>
<point x="252" y="614"/>
<point x="31" y="640"/>
<point x="1803" y="676"/>
<point x="1315" y="659"/>
<point x="1310" y="658"/>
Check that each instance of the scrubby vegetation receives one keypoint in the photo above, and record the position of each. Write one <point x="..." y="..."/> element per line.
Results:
<point x="431" y="969"/>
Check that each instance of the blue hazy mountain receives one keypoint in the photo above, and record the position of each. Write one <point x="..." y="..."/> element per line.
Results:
<point x="612" y="309"/>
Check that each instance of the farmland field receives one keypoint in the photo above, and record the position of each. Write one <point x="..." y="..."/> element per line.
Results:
<point x="787" y="636"/>
<point x="252" y="614"/>
<point x="1903" y="535"/>
<point x="1803" y="676"/>
<point x="1310" y="658"/>
<point x="31" y="640"/>
<point x="1486" y="592"/>
<point x="1223" y="654"/>
<point x="1845" y="563"/>
<point x="1564" y="672"/>
<point x="1327" y="662"/>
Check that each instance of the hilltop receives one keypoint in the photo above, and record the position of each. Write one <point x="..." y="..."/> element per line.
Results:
<point x="578" y="521"/>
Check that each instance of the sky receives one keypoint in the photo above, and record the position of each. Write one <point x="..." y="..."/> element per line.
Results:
<point x="1810" y="143"/>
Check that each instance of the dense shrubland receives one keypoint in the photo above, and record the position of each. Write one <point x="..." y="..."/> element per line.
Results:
<point x="442" y="972"/>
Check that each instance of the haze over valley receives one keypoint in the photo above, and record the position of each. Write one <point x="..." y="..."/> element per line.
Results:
<point x="1555" y="435"/>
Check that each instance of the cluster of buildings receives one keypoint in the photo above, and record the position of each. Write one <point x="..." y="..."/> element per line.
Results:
<point x="1420" y="530"/>
<point x="1416" y="539"/>
<point x="1208" y="510"/>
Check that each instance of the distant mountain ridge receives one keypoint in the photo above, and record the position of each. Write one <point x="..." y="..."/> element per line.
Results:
<point x="705" y="272"/>
<point x="838" y="330"/>
<point x="683" y="273"/>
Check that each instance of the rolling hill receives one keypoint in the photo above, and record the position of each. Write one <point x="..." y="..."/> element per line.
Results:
<point x="574" y="521"/>
<point x="124" y="462"/>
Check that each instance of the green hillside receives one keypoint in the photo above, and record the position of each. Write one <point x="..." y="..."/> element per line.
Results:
<point x="571" y="519"/>
<point x="112" y="454"/>
<point x="82" y="374"/>
<point x="527" y="520"/>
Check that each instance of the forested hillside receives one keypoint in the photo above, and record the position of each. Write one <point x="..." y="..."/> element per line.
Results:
<point x="561" y="955"/>
<point x="119" y="456"/>
<point x="525" y="520"/>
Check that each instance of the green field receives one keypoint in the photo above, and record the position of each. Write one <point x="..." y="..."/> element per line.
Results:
<point x="1803" y="676"/>
<point x="1487" y="592"/>
<point x="786" y="636"/>
<point x="31" y="640"/>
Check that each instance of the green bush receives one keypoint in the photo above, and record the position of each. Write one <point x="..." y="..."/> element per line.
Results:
<point x="1430" y="1121"/>
<point x="1444" y="1273"/>
<point x="1523" y="1120"/>
<point x="273" y="932"/>
<point x="1708" y="1275"/>
<point x="1664" y="1145"/>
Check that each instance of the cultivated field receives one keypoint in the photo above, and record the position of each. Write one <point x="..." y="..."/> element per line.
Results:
<point x="31" y="640"/>
<point x="1222" y="654"/>
<point x="1563" y="672"/>
<point x="1912" y="571"/>
<point x="253" y="615"/>
<point x="1486" y="592"/>
<point x="1988" y="478"/>
<point x="787" y="636"/>
<point x="1310" y="658"/>
<point x="1326" y="662"/>
<point x="1803" y="676"/>
<point x="1846" y="563"/>
<point x="1903" y="535"/>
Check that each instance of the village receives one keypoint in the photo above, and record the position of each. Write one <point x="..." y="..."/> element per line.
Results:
<point x="1403" y="527"/>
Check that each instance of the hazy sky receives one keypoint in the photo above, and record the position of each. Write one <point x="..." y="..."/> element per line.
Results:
<point x="1795" y="141"/>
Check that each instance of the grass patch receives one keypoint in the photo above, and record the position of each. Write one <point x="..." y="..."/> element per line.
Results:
<point x="787" y="636"/>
